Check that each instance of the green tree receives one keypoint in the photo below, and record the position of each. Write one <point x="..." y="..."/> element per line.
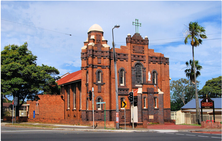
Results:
<point x="190" y="71"/>
<point x="182" y="91"/>
<point x="196" y="34"/>
<point x="212" y="88"/>
<point x="21" y="77"/>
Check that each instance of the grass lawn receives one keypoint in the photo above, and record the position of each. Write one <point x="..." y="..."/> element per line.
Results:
<point x="30" y="125"/>
<point x="191" y="124"/>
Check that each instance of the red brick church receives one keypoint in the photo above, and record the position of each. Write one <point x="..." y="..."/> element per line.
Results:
<point x="139" y="69"/>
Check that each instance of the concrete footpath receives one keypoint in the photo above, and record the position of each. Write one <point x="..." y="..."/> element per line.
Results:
<point x="150" y="128"/>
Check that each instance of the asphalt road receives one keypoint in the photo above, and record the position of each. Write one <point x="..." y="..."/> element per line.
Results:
<point x="27" y="134"/>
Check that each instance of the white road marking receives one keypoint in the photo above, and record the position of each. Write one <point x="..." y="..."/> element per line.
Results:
<point x="190" y="135"/>
<point x="215" y="137"/>
<point x="179" y="134"/>
<point x="203" y="136"/>
<point x="166" y="131"/>
<point x="170" y="133"/>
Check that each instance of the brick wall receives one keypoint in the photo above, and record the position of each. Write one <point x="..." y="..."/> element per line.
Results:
<point x="96" y="57"/>
<point x="50" y="107"/>
<point x="211" y="124"/>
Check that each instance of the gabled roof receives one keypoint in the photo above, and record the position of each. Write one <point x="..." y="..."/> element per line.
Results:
<point x="7" y="104"/>
<point x="70" y="78"/>
<point x="192" y="104"/>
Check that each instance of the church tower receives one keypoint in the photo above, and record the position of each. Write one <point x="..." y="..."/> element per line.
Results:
<point x="139" y="69"/>
<point x="95" y="74"/>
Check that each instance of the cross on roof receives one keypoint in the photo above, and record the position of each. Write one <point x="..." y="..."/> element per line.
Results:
<point x="137" y="24"/>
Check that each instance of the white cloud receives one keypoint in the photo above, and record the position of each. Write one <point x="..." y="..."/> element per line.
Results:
<point x="46" y="25"/>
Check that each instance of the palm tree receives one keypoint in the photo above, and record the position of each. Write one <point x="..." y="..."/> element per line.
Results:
<point x="196" y="34"/>
<point x="190" y="71"/>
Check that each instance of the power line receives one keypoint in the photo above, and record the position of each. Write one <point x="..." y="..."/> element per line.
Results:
<point x="167" y="42"/>
<point x="38" y="27"/>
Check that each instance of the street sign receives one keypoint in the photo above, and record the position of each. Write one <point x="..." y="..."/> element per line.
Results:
<point x="100" y="102"/>
<point x="135" y="92"/>
<point x="207" y="103"/>
<point x="16" y="101"/>
<point x="124" y="104"/>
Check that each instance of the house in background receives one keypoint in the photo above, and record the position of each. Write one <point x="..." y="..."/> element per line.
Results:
<point x="8" y="110"/>
<point x="187" y="114"/>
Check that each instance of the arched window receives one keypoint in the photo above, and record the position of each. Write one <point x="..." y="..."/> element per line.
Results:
<point x="122" y="78"/>
<point x="99" y="79"/>
<point x="138" y="73"/>
<point x="155" y="102"/>
<point x="68" y="96"/>
<point x="74" y="96"/>
<point x="37" y="108"/>
<point x="154" y="77"/>
<point x="99" y="105"/>
<point x="87" y="77"/>
<point x="99" y="76"/>
<point x="144" y="102"/>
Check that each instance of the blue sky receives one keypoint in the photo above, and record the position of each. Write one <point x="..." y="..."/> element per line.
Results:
<point x="46" y="27"/>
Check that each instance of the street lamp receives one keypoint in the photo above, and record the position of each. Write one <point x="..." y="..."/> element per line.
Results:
<point x="116" y="87"/>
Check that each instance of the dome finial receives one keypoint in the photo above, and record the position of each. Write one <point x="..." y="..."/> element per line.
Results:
<point x="95" y="27"/>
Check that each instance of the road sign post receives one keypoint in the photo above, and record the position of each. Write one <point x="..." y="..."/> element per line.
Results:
<point x="105" y="117"/>
<point x="124" y="105"/>
<point x="93" y="105"/>
<point x="125" y="117"/>
<point x="12" y="110"/>
<point x="15" y="104"/>
<point x="133" y="112"/>
<point x="104" y="113"/>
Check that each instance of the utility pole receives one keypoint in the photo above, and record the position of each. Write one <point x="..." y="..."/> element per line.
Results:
<point x="133" y="111"/>
<point x="116" y="85"/>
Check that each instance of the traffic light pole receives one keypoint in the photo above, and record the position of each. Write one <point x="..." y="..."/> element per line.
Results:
<point x="133" y="111"/>
<point x="93" y="105"/>
<point x="131" y="99"/>
<point x="125" y="117"/>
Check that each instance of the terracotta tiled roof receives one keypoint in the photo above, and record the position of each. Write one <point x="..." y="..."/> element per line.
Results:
<point x="70" y="77"/>
<point x="6" y="104"/>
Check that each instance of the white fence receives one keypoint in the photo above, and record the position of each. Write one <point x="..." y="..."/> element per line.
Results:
<point x="22" y="113"/>
<point x="188" y="118"/>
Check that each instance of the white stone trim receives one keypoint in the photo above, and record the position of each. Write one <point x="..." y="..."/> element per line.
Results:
<point x="92" y="37"/>
<point x="105" y="45"/>
<point x="91" y="44"/>
<point x="140" y="91"/>
<point x="160" y="92"/>
<point x="84" y="47"/>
